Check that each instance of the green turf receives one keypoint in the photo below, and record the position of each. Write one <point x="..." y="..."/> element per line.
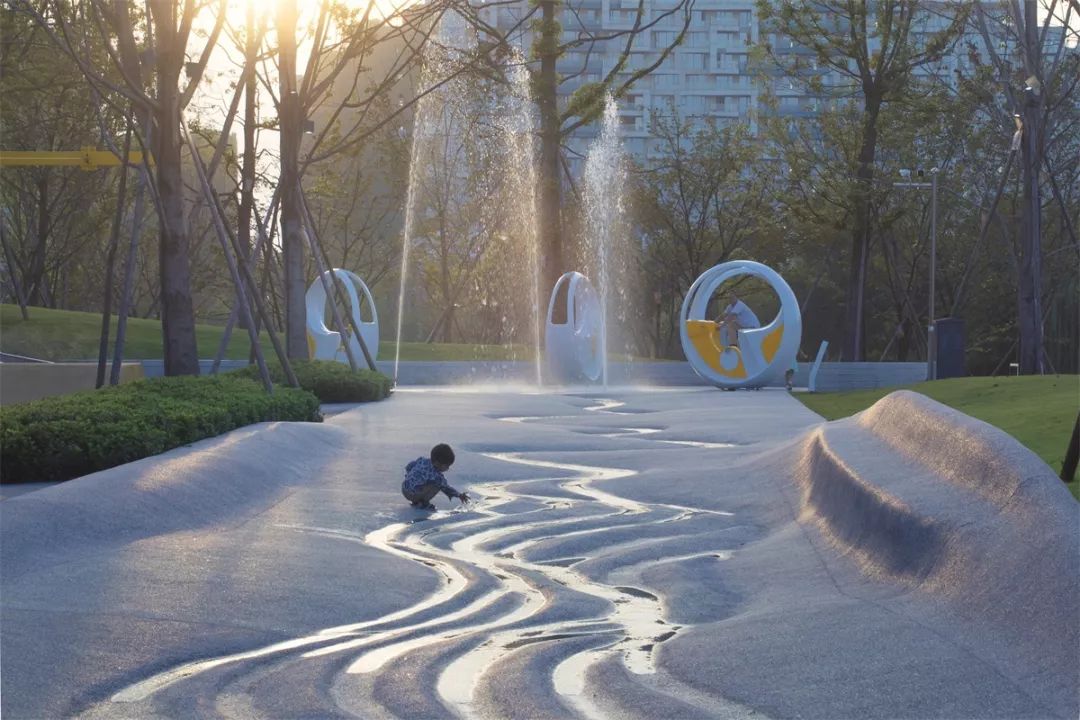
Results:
<point x="66" y="335"/>
<point x="1038" y="411"/>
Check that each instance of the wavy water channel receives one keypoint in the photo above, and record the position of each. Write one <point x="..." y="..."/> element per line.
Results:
<point x="533" y="565"/>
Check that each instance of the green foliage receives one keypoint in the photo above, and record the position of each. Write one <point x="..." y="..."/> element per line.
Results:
<point x="704" y="199"/>
<point x="587" y="102"/>
<point x="330" y="381"/>
<point x="63" y="437"/>
<point x="546" y="34"/>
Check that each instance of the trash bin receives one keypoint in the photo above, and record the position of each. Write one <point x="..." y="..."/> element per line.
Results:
<point x="950" y="348"/>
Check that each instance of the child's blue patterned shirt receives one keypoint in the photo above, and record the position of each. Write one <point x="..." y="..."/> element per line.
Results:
<point x="421" y="472"/>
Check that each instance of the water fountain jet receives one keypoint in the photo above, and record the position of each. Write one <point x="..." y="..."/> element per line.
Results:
<point x="604" y="200"/>
<point x="473" y="148"/>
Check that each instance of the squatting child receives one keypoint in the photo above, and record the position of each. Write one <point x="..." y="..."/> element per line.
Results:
<point x="424" y="478"/>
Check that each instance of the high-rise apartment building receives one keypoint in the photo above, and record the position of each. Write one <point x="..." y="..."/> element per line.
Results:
<point x="706" y="76"/>
<point x="710" y="75"/>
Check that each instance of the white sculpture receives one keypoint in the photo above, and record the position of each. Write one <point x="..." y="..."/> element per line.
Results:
<point x="763" y="354"/>
<point x="573" y="341"/>
<point x="325" y="343"/>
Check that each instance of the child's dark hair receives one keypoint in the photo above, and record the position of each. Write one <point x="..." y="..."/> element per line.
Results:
<point x="442" y="454"/>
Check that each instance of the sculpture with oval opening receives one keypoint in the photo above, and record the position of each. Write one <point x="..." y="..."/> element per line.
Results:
<point x="574" y="332"/>
<point x="763" y="354"/>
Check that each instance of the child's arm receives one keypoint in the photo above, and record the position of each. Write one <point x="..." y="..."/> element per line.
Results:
<point x="452" y="493"/>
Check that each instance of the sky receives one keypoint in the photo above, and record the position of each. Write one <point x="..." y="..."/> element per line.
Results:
<point x="215" y="91"/>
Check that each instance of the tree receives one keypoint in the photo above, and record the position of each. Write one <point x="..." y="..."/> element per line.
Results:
<point x="875" y="47"/>
<point x="290" y="127"/>
<point x="150" y="81"/>
<point x="701" y="201"/>
<point x="54" y="217"/>
<point x="558" y="120"/>
<point x="1036" y="75"/>
<point x="341" y="38"/>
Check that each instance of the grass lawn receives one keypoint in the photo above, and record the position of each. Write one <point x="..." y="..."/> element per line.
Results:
<point x="1038" y="411"/>
<point x="65" y="335"/>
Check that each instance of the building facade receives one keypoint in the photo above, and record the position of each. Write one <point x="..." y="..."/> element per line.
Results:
<point x="711" y="76"/>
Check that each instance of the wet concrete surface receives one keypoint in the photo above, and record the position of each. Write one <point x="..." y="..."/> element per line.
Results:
<point x="631" y="553"/>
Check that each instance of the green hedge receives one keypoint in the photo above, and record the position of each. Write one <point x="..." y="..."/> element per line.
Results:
<point x="331" y="382"/>
<point x="63" y="437"/>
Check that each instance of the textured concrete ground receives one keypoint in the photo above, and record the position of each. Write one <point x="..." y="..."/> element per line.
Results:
<point x="678" y="553"/>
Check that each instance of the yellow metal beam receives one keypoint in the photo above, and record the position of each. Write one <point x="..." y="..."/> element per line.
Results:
<point x="87" y="158"/>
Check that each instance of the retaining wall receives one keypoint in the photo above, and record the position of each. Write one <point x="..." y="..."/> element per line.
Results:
<point x="23" y="382"/>
<point x="832" y="376"/>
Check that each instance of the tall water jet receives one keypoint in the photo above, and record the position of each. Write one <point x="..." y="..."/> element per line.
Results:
<point x="515" y="118"/>
<point x="605" y="210"/>
<point x="420" y="141"/>
<point x="471" y="201"/>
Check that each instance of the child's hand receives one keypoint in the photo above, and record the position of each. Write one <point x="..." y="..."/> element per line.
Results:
<point x="464" y="498"/>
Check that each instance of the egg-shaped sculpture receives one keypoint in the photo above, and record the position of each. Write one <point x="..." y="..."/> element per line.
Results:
<point x="574" y="332"/>
<point x="325" y="343"/>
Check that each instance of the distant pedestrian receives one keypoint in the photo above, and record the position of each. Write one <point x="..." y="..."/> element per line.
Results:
<point x="736" y="316"/>
<point x="424" y="478"/>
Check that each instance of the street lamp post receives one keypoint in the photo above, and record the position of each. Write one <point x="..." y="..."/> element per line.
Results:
<point x="931" y="329"/>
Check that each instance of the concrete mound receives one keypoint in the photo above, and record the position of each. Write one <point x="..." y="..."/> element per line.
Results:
<point x="917" y="493"/>
<point x="910" y="562"/>
<point x="213" y="481"/>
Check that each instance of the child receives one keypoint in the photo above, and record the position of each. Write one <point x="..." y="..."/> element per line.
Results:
<point x="424" y="478"/>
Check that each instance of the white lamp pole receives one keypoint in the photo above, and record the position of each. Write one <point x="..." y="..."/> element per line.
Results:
<point x="931" y="330"/>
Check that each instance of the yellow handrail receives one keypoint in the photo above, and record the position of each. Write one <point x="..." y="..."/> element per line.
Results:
<point x="87" y="158"/>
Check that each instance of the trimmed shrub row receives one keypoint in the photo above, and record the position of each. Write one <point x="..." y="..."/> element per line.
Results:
<point x="63" y="437"/>
<point x="331" y="382"/>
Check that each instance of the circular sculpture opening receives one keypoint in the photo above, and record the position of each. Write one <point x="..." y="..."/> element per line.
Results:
<point x="325" y="343"/>
<point x="574" y="330"/>
<point x="762" y="355"/>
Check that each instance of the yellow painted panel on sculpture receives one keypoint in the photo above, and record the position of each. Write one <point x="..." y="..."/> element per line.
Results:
<point x="310" y="346"/>
<point x="771" y="343"/>
<point x="704" y="336"/>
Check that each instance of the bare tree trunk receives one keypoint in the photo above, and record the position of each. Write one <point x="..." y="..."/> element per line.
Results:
<point x="36" y="275"/>
<point x="13" y="273"/>
<point x="129" y="60"/>
<point x="855" y="321"/>
<point x="247" y="169"/>
<point x="110" y="262"/>
<point x="546" y="89"/>
<point x="447" y="316"/>
<point x="129" y="277"/>
<point x="177" y="310"/>
<point x="292" y="223"/>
